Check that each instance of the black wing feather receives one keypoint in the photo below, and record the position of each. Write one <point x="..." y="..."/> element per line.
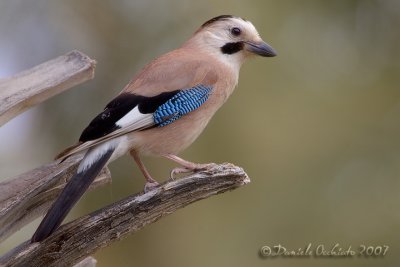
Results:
<point x="105" y="122"/>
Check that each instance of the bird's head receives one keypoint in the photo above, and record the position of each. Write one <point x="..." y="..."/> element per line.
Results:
<point x="231" y="39"/>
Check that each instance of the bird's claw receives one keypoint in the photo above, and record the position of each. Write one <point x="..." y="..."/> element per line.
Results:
<point x="194" y="168"/>
<point x="176" y="171"/>
<point x="150" y="186"/>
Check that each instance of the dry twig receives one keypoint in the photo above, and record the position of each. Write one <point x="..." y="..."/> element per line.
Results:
<point x="33" y="86"/>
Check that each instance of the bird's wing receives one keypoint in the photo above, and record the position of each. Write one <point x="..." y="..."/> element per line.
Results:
<point x="162" y="93"/>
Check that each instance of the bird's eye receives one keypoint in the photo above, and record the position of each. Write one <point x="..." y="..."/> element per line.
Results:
<point x="236" y="31"/>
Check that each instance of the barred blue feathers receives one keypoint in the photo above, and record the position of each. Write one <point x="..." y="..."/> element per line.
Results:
<point x="180" y="104"/>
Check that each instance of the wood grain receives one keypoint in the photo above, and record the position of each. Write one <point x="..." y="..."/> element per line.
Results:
<point x="33" y="86"/>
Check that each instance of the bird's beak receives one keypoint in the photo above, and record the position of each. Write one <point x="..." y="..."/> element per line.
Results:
<point x="260" y="48"/>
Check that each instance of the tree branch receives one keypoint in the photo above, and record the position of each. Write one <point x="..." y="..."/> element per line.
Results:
<point x="82" y="237"/>
<point x="29" y="195"/>
<point x="30" y="87"/>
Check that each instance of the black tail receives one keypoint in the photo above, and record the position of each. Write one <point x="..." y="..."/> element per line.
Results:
<point x="72" y="192"/>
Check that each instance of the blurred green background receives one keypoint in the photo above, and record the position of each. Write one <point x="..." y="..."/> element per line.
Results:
<point x="316" y="128"/>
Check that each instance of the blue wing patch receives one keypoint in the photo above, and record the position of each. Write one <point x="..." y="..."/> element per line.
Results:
<point x="180" y="104"/>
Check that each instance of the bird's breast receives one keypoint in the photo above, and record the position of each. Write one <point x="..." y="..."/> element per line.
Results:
<point x="177" y="136"/>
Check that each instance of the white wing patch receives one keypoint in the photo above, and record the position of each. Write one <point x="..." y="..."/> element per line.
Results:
<point x="134" y="119"/>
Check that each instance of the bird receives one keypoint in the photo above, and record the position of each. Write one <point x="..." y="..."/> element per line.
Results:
<point x="162" y="110"/>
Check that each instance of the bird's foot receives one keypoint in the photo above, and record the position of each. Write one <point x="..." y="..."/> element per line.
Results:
<point x="150" y="183"/>
<point x="178" y="170"/>
<point x="193" y="167"/>
<point x="187" y="166"/>
<point x="150" y="186"/>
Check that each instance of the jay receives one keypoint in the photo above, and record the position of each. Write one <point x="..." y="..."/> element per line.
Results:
<point x="163" y="109"/>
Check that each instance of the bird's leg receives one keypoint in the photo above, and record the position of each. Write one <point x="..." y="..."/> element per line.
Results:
<point x="150" y="182"/>
<point x="187" y="166"/>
